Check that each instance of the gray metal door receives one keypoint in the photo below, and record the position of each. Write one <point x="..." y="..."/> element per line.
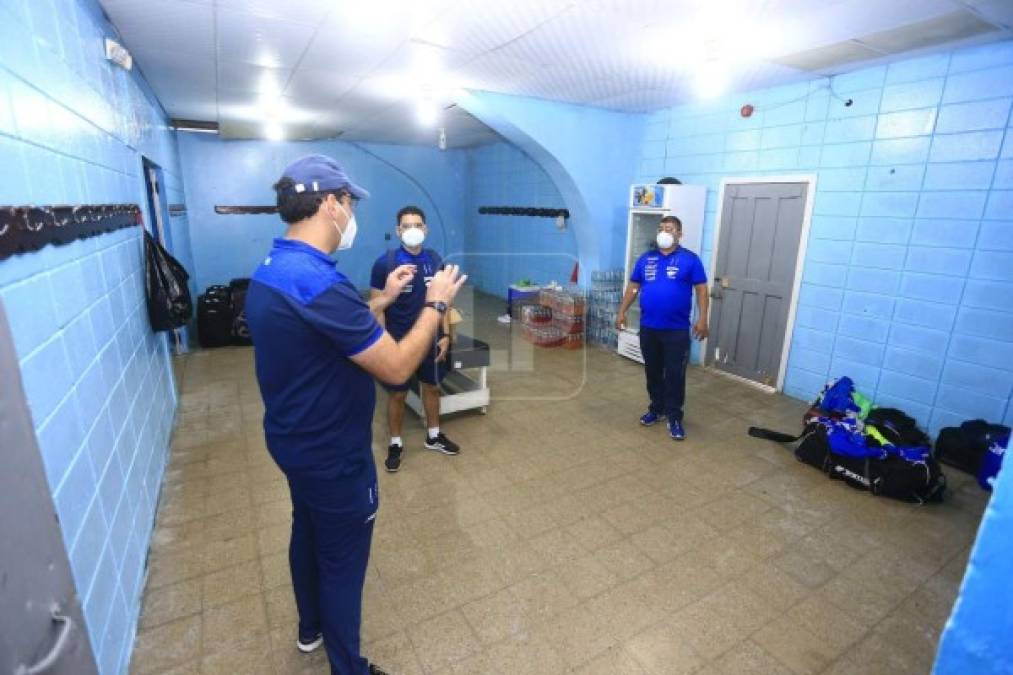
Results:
<point x="761" y="230"/>
<point x="41" y="626"/>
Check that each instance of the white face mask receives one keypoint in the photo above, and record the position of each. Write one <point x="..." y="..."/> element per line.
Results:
<point x="348" y="236"/>
<point x="665" y="240"/>
<point x="413" y="236"/>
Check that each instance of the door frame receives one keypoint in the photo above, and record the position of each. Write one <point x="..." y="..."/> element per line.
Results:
<point x="803" y="245"/>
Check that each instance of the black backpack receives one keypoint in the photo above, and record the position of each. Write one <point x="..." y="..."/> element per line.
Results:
<point x="214" y="317"/>
<point x="964" y="447"/>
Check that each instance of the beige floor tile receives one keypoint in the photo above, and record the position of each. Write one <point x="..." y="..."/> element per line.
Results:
<point x="251" y="659"/>
<point x="543" y="595"/>
<point x="578" y="634"/>
<point x="624" y="561"/>
<point x="791" y="643"/>
<point x="660" y="651"/>
<point x="496" y="617"/>
<point x="232" y="583"/>
<point x="749" y="657"/>
<point x="586" y="577"/>
<point x="614" y="661"/>
<point x="236" y="625"/>
<point x="227" y="552"/>
<point x="275" y="571"/>
<point x="593" y="533"/>
<point x="168" y="645"/>
<point x="169" y="603"/>
<point x="443" y="640"/>
<point x="831" y="626"/>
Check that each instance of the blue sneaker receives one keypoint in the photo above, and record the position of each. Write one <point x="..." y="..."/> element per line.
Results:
<point x="650" y="419"/>
<point x="676" y="431"/>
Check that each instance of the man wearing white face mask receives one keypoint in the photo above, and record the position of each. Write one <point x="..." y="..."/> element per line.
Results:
<point x="666" y="280"/>
<point x="398" y="319"/>
<point x="317" y="348"/>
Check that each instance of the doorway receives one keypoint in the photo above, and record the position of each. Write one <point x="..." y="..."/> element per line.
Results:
<point x="756" y="271"/>
<point x="158" y="210"/>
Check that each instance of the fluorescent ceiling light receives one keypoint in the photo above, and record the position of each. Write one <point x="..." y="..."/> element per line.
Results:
<point x="427" y="112"/>
<point x="711" y="79"/>
<point x="273" y="131"/>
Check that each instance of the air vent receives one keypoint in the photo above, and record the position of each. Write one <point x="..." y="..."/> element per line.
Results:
<point x="196" y="126"/>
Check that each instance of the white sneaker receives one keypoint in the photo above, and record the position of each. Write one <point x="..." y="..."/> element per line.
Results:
<point x="504" y="319"/>
<point x="311" y="646"/>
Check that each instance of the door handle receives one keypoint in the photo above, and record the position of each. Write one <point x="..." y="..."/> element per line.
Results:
<point x="716" y="289"/>
<point x="56" y="652"/>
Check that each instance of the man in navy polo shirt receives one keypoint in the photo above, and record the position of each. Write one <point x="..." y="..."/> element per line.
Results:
<point x="399" y="318"/>
<point x="666" y="280"/>
<point x="317" y="347"/>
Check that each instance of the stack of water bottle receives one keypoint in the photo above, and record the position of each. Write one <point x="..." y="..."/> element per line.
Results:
<point x="569" y="307"/>
<point x="604" y="298"/>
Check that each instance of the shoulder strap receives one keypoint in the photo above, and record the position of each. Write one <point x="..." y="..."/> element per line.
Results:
<point x="391" y="259"/>
<point x="776" y="436"/>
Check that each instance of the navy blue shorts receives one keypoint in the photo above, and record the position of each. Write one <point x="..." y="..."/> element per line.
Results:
<point x="429" y="372"/>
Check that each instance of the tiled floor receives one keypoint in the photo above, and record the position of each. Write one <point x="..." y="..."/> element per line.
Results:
<point x="564" y="538"/>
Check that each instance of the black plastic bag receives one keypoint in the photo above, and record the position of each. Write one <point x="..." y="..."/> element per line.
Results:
<point x="169" y="303"/>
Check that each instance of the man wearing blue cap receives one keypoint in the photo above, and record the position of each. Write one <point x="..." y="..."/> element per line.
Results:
<point x="317" y="347"/>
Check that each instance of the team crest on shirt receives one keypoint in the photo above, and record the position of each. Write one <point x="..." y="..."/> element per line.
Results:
<point x="672" y="270"/>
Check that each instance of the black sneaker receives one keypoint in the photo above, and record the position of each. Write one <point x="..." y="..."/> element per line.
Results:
<point x="393" y="461"/>
<point x="309" y="644"/>
<point x="441" y="443"/>
<point x="374" y="670"/>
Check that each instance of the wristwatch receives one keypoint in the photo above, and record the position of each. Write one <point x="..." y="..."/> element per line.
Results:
<point x="440" y="307"/>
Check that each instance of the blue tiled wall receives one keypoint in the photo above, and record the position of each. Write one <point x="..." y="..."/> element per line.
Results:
<point x="908" y="281"/>
<point x="72" y="130"/>
<point x="504" y="249"/>
<point x="221" y="172"/>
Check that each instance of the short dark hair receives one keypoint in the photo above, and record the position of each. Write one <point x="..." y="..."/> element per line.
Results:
<point x="411" y="211"/>
<point x="673" y="219"/>
<point x="295" y="206"/>
<point x="668" y="180"/>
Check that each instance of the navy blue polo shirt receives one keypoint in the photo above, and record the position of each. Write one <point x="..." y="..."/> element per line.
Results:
<point x="306" y="320"/>
<point x="402" y="314"/>
<point x="666" y="287"/>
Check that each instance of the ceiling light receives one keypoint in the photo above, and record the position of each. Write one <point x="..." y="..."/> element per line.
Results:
<point x="711" y="79"/>
<point x="273" y="131"/>
<point x="427" y="112"/>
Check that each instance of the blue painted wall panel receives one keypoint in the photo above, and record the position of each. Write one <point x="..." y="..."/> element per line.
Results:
<point x="73" y="129"/>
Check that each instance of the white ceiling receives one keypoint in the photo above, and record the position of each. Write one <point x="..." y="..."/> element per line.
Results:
<point x="360" y="67"/>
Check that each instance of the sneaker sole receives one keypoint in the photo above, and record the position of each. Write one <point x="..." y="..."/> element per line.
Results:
<point x="441" y="449"/>
<point x="311" y="647"/>
<point x="390" y="470"/>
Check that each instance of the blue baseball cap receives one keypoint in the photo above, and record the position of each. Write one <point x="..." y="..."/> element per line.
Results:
<point x="320" y="173"/>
